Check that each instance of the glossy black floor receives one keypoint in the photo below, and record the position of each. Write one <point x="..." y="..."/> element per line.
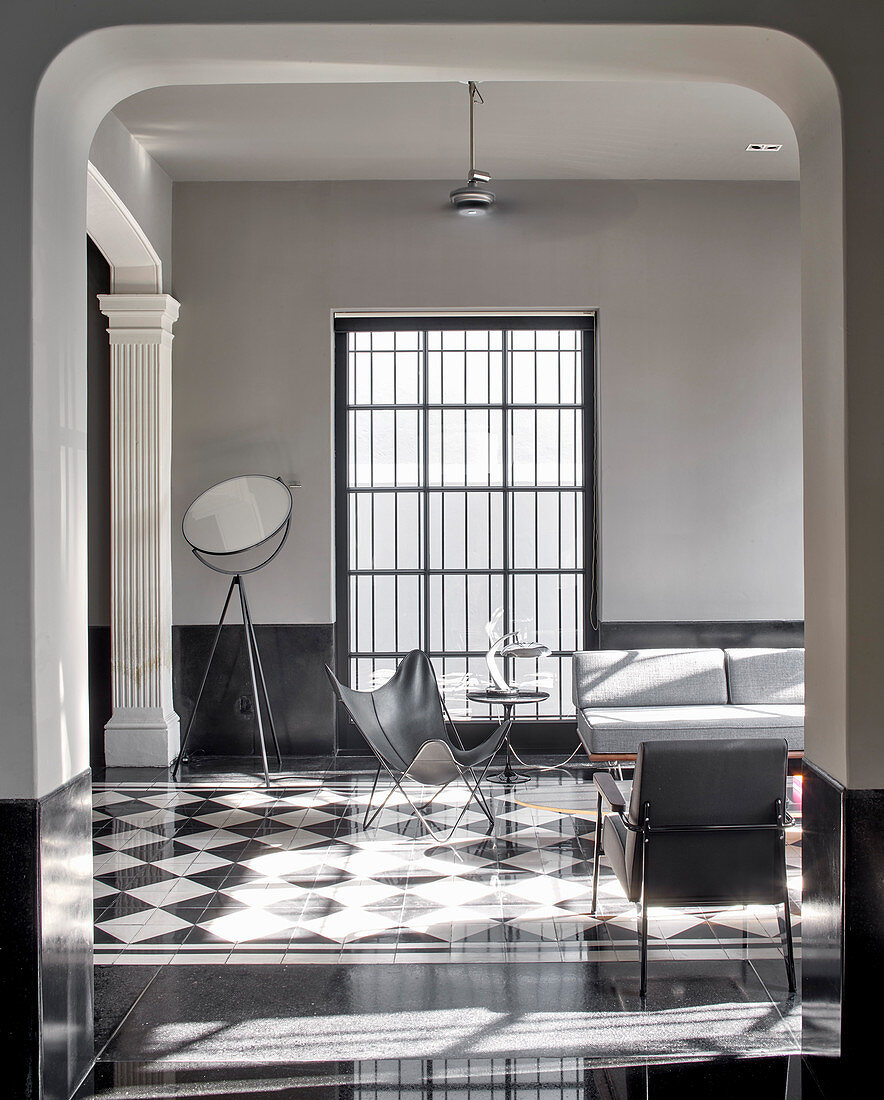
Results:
<point x="486" y="1029"/>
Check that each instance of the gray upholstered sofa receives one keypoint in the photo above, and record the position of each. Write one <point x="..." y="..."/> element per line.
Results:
<point x="624" y="697"/>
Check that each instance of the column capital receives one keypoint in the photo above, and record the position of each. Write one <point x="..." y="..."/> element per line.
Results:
<point x="138" y="314"/>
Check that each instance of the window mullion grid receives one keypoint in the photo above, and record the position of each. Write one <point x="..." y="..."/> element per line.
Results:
<point x="372" y="480"/>
<point x="506" y="570"/>
<point x="559" y="705"/>
<point x="536" y="495"/>
<point x="395" y="497"/>
<point x="424" y="483"/>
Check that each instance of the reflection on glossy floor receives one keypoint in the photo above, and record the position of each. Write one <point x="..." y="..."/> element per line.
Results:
<point x="216" y="869"/>
<point x="543" y="1000"/>
<point x="783" y="1078"/>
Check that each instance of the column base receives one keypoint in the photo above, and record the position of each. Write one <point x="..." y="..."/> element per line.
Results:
<point x="141" y="737"/>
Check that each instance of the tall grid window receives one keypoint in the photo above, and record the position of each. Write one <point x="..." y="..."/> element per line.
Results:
<point x="465" y="498"/>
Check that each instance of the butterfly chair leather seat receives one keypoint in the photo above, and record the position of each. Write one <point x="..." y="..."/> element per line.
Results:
<point x="405" y="726"/>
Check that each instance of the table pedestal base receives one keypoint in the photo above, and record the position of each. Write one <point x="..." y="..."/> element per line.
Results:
<point x="506" y="776"/>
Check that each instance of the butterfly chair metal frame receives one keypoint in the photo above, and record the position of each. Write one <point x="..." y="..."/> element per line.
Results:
<point x="651" y="870"/>
<point x="408" y="728"/>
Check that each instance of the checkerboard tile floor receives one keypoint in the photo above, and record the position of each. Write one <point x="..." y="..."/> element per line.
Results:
<point x="217" y="871"/>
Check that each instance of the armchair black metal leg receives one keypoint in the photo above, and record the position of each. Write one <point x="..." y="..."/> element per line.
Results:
<point x="597" y="853"/>
<point x="786" y="922"/>
<point x="643" y="986"/>
<point x="646" y="825"/>
<point x="788" y="949"/>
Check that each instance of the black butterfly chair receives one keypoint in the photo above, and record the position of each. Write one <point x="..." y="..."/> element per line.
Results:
<point x="705" y="826"/>
<point x="407" y="727"/>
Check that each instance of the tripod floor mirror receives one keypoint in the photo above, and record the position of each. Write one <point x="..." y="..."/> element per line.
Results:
<point x="241" y="522"/>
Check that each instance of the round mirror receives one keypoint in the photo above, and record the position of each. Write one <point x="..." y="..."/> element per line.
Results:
<point x="238" y="514"/>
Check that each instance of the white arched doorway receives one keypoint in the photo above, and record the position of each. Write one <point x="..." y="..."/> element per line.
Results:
<point x="101" y="68"/>
<point x="88" y="78"/>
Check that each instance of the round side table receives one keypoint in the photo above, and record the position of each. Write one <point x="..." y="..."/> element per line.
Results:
<point x="509" y="700"/>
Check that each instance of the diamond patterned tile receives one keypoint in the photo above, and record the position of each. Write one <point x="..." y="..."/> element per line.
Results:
<point x="365" y="862"/>
<point x="207" y="839"/>
<point x="129" y="838"/>
<point x="108" y="798"/>
<point x="169" y="892"/>
<point x="104" y="864"/>
<point x="453" y="891"/>
<point x="192" y="862"/>
<point x="359" y="893"/>
<point x="287" y="839"/>
<point x="155" y="923"/>
<point x="266" y="893"/>
<point x="223" y="874"/>
<point x="286" y="863"/>
<point x="246" y="926"/>
<point x="301" y="819"/>
<point x="223" y="819"/>
<point x="546" y="889"/>
<point x="348" y="924"/>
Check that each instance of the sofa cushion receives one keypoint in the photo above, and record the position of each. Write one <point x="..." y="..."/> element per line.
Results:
<point x="765" y="675"/>
<point x="648" y="677"/>
<point x="622" y="729"/>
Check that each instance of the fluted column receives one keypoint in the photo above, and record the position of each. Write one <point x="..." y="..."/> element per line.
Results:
<point x="143" y="728"/>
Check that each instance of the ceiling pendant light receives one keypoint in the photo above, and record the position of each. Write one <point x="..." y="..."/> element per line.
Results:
<point x="474" y="197"/>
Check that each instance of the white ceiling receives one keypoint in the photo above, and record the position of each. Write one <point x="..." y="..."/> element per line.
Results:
<point x="526" y="130"/>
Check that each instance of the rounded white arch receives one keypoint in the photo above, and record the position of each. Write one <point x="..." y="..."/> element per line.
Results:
<point x="98" y="70"/>
<point x="134" y="264"/>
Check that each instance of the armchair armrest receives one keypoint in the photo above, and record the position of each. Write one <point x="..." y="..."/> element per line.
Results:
<point x="609" y="790"/>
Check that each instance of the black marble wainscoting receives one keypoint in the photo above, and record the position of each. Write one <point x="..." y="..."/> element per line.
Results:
<point x="46" y="944"/>
<point x="843" y="929"/>
<point x="293" y="656"/>
<point x="100" y="701"/>
<point x="762" y="634"/>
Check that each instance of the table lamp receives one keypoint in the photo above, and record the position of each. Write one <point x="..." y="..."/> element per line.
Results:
<point x="516" y="648"/>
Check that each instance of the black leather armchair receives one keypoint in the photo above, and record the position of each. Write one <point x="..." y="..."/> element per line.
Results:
<point x="705" y="826"/>
<point x="407" y="726"/>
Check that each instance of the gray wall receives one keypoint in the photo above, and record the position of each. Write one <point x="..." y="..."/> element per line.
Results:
<point x="697" y="287"/>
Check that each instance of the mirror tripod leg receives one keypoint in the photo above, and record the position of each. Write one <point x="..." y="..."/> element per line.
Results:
<point x="177" y="764"/>
<point x="245" y="619"/>
<point x="251" y="628"/>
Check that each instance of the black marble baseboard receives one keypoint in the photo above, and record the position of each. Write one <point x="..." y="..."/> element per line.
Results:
<point x="20" y="953"/>
<point x="293" y="656"/>
<point x="46" y="946"/>
<point x="100" y="702"/>
<point x="66" y="936"/>
<point x="822" y="878"/>
<point x="842" y="929"/>
<point x="759" y="634"/>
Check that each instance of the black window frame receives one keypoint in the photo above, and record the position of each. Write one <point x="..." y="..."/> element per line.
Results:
<point x="347" y="739"/>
